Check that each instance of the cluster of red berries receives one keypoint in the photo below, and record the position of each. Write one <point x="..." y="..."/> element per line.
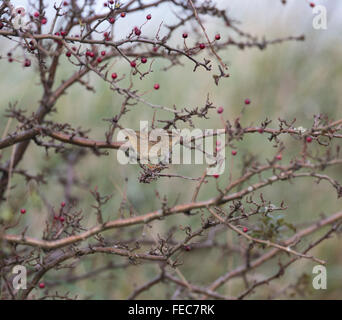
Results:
<point x="109" y="2"/>
<point x="106" y="36"/>
<point x="90" y="54"/>
<point x="9" y="55"/>
<point x="60" y="218"/>
<point x="137" y="31"/>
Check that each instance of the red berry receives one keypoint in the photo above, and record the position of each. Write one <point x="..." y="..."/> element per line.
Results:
<point x="1" y="25"/>
<point x="220" y="109"/>
<point x="10" y="59"/>
<point x="137" y="31"/>
<point x="36" y="14"/>
<point x="57" y="34"/>
<point x="68" y="54"/>
<point x="133" y="64"/>
<point x="312" y="5"/>
<point x="216" y="176"/>
<point x="309" y="139"/>
<point x="56" y="217"/>
<point x="111" y="20"/>
<point x="234" y="152"/>
<point x="245" y="229"/>
<point x="148" y="17"/>
<point x="218" y="37"/>
<point x="202" y="46"/>
<point x="123" y="14"/>
<point x="27" y="63"/>
<point x="187" y="248"/>
<point x="22" y="211"/>
<point x="63" y="33"/>
<point x="114" y="75"/>
<point x="103" y="53"/>
<point x="91" y="54"/>
<point x="279" y="157"/>
<point x="99" y="59"/>
<point x="61" y="219"/>
<point x="155" y="49"/>
<point x="42" y="285"/>
<point x="63" y="204"/>
<point x="43" y="21"/>
<point x="65" y="3"/>
<point x="105" y="4"/>
<point x="156" y="86"/>
<point x="106" y="34"/>
<point x="247" y="101"/>
<point x="185" y="35"/>
<point x="261" y="130"/>
<point x="111" y="1"/>
<point x="143" y="60"/>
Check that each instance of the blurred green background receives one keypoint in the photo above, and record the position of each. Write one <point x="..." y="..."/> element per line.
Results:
<point x="290" y="80"/>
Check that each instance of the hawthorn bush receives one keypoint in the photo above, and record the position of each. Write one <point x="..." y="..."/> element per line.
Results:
<point x="142" y="231"/>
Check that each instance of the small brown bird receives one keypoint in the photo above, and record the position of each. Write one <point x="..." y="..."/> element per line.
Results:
<point x="154" y="146"/>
